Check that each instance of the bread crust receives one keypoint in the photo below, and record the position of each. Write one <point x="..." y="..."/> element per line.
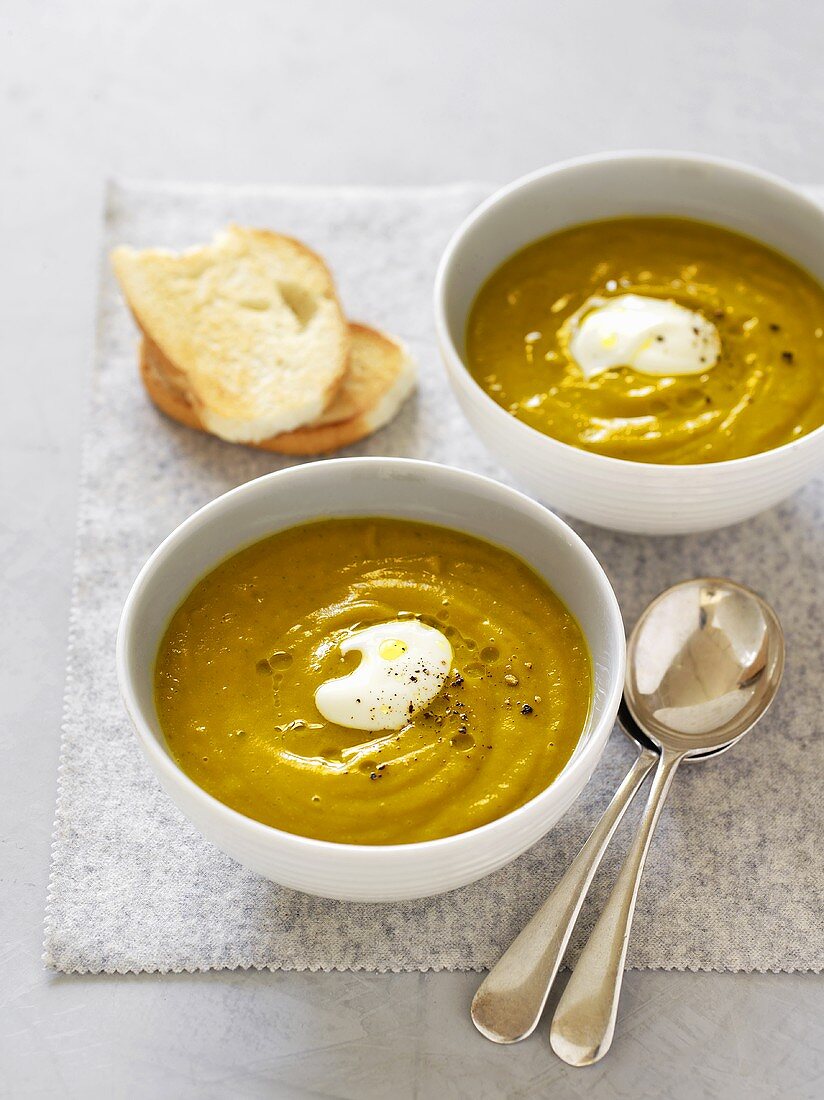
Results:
<point x="379" y="378"/>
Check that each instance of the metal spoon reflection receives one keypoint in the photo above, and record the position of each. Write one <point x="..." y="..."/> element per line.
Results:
<point x="510" y="1000"/>
<point x="704" y="663"/>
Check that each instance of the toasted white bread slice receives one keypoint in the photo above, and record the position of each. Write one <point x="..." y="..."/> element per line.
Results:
<point x="251" y="324"/>
<point x="379" y="378"/>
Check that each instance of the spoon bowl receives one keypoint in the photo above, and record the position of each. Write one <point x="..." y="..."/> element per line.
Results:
<point x="703" y="664"/>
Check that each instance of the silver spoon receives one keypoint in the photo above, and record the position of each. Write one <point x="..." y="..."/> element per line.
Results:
<point x="703" y="665"/>
<point x="511" y="999"/>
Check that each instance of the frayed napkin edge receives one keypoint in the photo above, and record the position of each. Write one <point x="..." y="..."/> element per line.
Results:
<point x="83" y="511"/>
<point x="303" y="966"/>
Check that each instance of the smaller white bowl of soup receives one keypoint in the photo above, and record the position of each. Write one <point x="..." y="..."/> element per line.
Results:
<point x="372" y="679"/>
<point x="640" y="338"/>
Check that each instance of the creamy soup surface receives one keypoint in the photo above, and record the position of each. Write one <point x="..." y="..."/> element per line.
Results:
<point x="244" y="655"/>
<point x="766" y="313"/>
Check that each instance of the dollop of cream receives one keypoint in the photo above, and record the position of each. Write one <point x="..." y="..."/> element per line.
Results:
<point x="404" y="664"/>
<point x="651" y="335"/>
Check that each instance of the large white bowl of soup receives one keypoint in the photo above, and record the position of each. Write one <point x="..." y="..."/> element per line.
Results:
<point x="639" y="338"/>
<point x="372" y="679"/>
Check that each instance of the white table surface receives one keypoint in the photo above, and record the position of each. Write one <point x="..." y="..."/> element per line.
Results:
<point x="328" y="92"/>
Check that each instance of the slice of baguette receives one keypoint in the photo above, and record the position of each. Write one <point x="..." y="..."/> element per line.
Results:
<point x="251" y="324"/>
<point x="380" y="377"/>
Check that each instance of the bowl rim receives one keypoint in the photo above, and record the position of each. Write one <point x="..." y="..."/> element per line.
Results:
<point x="163" y="763"/>
<point x="456" y="362"/>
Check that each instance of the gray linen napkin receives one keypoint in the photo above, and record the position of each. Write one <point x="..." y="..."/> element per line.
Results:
<point x="734" y="879"/>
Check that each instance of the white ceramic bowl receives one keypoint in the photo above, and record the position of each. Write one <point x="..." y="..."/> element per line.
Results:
<point x="652" y="499"/>
<point x="386" y="487"/>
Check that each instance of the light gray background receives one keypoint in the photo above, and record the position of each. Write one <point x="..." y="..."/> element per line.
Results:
<point x="327" y="92"/>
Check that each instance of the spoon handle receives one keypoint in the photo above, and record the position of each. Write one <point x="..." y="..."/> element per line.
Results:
<point x="584" y="1020"/>
<point x="511" y="998"/>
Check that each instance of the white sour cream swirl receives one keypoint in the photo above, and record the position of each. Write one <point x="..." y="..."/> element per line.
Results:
<point x="651" y="335"/>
